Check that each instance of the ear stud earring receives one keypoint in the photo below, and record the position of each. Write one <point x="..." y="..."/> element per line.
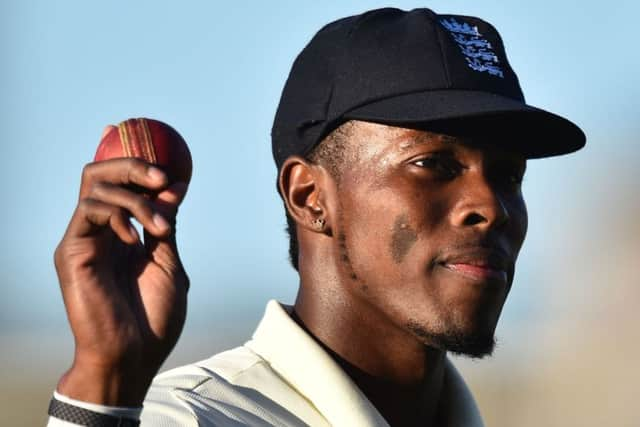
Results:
<point x="318" y="224"/>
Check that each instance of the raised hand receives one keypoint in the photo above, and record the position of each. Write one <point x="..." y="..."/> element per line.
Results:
<point x="125" y="299"/>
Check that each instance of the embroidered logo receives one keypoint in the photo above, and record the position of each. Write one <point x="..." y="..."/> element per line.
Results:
<point x="476" y="49"/>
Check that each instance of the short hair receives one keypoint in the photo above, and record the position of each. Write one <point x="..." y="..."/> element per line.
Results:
<point x="330" y="153"/>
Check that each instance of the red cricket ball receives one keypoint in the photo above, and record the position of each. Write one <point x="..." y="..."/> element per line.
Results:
<point x="152" y="141"/>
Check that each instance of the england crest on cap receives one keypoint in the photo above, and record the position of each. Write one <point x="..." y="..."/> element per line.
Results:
<point x="476" y="49"/>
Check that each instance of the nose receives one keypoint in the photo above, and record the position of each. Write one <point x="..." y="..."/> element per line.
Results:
<point x="480" y="205"/>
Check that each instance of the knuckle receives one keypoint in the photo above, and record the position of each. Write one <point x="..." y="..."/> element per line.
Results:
<point x="86" y="205"/>
<point x="126" y="173"/>
<point x="87" y="170"/>
<point x="140" y="205"/>
<point x="61" y="256"/>
<point x="87" y="173"/>
<point x="97" y="188"/>
<point x="58" y="255"/>
<point x="135" y="168"/>
<point x="116" y="213"/>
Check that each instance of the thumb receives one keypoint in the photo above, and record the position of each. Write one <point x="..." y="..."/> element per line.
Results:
<point x="164" y="250"/>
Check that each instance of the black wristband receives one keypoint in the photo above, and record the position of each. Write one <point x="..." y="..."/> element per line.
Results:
<point x="85" y="417"/>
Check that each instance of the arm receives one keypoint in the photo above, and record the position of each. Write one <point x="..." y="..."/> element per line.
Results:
<point x="125" y="299"/>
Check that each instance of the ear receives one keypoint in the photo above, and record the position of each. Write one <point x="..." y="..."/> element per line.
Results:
<point x="303" y="186"/>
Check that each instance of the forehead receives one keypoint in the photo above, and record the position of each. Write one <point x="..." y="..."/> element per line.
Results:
<point x="367" y="140"/>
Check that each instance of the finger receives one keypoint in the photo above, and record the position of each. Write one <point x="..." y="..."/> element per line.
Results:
<point x="146" y="212"/>
<point x="169" y="200"/>
<point x="164" y="250"/>
<point x="123" y="171"/>
<point x="92" y="216"/>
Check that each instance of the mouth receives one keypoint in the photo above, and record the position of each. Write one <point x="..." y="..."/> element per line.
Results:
<point x="479" y="266"/>
<point x="480" y="273"/>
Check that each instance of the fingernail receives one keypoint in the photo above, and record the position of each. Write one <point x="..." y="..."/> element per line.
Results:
<point x="160" y="222"/>
<point x="155" y="174"/>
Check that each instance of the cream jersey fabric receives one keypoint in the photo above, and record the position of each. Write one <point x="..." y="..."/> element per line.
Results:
<point x="281" y="377"/>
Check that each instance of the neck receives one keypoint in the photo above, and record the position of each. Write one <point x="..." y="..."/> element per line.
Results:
<point x="401" y="376"/>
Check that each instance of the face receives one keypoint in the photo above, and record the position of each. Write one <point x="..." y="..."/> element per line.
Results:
<point x="428" y="230"/>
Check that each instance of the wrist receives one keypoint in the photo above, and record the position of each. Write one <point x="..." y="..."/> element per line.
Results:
<point x="83" y="413"/>
<point x="103" y="385"/>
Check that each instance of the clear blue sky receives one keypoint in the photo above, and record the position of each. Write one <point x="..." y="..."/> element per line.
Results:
<point x="214" y="70"/>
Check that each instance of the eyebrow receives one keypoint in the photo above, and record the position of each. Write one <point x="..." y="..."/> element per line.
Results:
<point x="424" y="139"/>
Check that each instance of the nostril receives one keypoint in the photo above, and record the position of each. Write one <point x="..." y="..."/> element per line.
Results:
<point x="474" y="218"/>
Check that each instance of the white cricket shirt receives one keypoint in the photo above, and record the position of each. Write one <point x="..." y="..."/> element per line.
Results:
<point x="281" y="377"/>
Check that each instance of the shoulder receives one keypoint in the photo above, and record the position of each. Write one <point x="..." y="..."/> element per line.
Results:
<point x="235" y="387"/>
<point x="225" y="367"/>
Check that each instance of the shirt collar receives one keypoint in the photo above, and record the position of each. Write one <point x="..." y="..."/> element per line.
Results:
<point x="295" y="355"/>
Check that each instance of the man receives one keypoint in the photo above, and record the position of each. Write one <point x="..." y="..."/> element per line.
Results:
<point x="401" y="140"/>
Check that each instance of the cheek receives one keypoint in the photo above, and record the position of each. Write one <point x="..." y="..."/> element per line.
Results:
<point x="366" y="222"/>
<point x="402" y="238"/>
<point x="391" y="232"/>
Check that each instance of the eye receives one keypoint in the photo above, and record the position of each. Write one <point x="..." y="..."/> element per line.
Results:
<point x="444" y="166"/>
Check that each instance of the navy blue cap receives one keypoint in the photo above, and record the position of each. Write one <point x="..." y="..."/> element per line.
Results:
<point x="413" y="68"/>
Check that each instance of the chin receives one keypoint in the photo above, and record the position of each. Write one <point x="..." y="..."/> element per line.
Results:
<point x="475" y="346"/>
<point x="473" y="337"/>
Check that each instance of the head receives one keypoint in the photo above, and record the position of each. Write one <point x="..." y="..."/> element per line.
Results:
<point x="411" y="153"/>
<point x="424" y="227"/>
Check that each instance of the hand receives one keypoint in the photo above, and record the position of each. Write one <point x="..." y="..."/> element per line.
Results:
<point x="125" y="299"/>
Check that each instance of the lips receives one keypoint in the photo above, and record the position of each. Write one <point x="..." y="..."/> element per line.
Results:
<point x="479" y="265"/>
<point x="479" y="273"/>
